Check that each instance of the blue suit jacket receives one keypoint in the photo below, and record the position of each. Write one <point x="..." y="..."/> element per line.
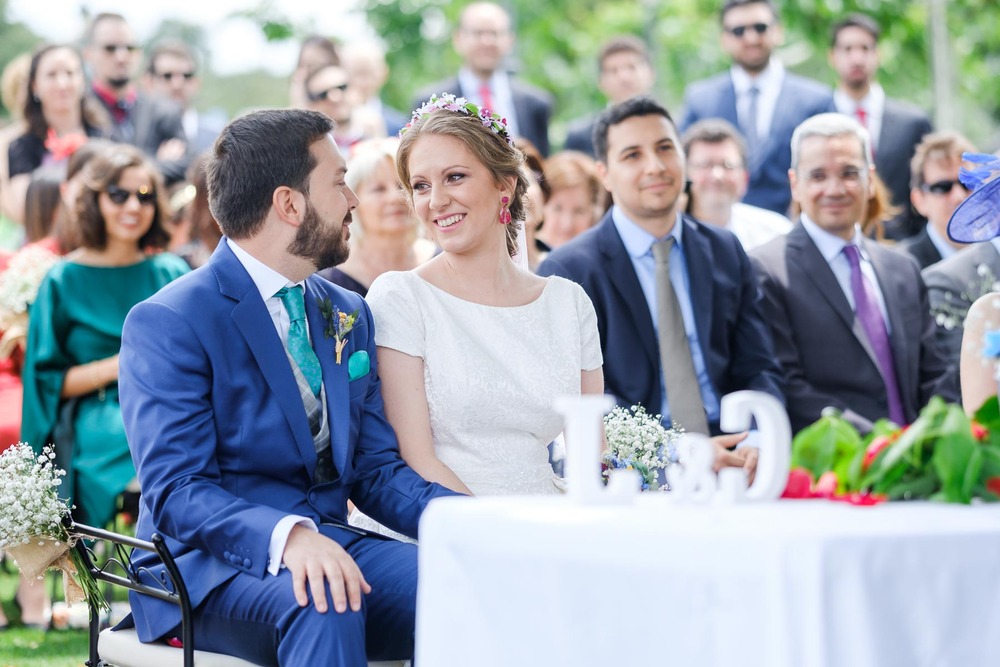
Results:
<point x="735" y="340"/>
<point x="799" y="99"/>
<point x="220" y="438"/>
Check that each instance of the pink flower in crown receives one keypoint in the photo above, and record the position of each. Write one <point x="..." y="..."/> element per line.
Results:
<point x="448" y="102"/>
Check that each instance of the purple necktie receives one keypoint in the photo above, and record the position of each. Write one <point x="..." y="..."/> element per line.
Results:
<point x="867" y="312"/>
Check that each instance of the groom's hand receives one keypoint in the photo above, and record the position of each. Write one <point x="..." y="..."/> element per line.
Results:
<point x="314" y="559"/>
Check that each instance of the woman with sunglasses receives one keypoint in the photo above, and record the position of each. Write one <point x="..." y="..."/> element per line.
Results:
<point x="71" y="363"/>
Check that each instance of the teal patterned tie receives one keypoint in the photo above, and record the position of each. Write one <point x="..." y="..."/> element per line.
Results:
<point x="298" y="340"/>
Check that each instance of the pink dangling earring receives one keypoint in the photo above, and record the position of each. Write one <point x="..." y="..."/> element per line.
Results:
<point x="504" y="211"/>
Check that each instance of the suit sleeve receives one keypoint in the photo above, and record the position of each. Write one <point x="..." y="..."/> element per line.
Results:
<point x="938" y="376"/>
<point x="805" y="402"/>
<point x="947" y="303"/>
<point x="170" y="423"/>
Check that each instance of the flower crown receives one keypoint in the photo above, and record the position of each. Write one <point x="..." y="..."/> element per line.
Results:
<point x="448" y="102"/>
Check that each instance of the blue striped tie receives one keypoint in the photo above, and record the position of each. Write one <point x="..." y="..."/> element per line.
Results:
<point x="298" y="340"/>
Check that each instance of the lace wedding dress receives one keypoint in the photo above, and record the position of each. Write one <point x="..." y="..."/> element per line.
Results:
<point x="491" y="375"/>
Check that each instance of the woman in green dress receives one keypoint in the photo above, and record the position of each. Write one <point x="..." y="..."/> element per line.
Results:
<point x="71" y="364"/>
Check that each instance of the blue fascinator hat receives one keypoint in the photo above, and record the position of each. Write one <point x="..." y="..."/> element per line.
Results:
<point x="978" y="217"/>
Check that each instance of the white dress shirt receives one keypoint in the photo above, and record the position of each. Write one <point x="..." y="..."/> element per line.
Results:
<point x="944" y="248"/>
<point x="503" y="96"/>
<point x="874" y="105"/>
<point x="268" y="282"/>
<point x="768" y="82"/>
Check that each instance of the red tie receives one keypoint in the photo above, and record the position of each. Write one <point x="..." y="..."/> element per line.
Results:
<point x="862" y="115"/>
<point x="486" y="97"/>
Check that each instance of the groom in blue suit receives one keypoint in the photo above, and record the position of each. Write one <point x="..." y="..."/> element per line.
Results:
<point x="253" y="410"/>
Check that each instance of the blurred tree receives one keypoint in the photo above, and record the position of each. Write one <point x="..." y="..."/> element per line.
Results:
<point x="15" y="38"/>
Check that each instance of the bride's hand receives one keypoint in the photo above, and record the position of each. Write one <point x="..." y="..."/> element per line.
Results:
<point x="725" y="457"/>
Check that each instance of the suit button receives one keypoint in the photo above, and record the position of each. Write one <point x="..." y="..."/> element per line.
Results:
<point x="246" y="563"/>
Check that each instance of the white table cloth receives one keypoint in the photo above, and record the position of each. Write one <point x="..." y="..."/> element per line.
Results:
<point x="540" y="581"/>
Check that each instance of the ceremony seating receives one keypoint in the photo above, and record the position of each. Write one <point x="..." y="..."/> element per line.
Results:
<point x="122" y="648"/>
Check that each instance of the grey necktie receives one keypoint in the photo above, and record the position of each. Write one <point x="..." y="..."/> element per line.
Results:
<point x="752" y="136"/>
<point x="683" y="392"/>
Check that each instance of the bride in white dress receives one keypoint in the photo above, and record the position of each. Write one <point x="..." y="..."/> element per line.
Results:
<point x="472" y="348"/>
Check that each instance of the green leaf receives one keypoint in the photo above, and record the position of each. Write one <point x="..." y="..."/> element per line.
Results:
<point x="988" y="413"/>
<point x="275" y="31"/>
<point x="912" y="489"/>
<point x="823" y="445"/>
<point x="953" y="455"/>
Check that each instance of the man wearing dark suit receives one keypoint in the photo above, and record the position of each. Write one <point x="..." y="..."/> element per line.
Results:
<point x="759" y="97"/>
<point x="895" y="127"/>
<point x="483" y="38"/>
<point x="172" y="73"/>
<point x="936" y="192"/>
<point x="723" y="339"/>
<point x="625" y="70"/>
<point x="148" y="122"/>
<point x="954" y="284"/>
<point x="851" y="323"/>
<point x="254" y="413"/>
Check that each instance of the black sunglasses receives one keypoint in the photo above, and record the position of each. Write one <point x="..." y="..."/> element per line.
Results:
<point x="170" y="76"/>
<point x="942" y="187"/>
<point x="740" y="30"/>
<point x="145" y="196"/>
<point x="112" y="48"/>
<point x="325" y="94"/>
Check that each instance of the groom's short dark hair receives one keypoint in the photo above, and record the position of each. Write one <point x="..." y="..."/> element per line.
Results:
<point x="256" y="154"/>
<point x="641" y="105"/>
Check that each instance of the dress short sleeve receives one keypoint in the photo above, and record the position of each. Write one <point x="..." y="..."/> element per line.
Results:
<point x="399" y="323"/>
<point x="590" y="340"/>
<point x="24" y="155"/>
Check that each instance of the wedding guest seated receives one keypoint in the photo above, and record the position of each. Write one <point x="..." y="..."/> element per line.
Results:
<point x="384" y="234"/>
<point x="716" y="156"/>
<point x="71" y="364"/>
<point x="936" y="192"/>
<point x="676" y="300"/>
<point x="254" y="431"/>
<point x="850" y="319"/>
<point x="59" y="115"/>
<point x="575" y="200"/>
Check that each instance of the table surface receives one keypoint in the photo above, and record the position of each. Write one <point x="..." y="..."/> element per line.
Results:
<point x="542" y="581"/>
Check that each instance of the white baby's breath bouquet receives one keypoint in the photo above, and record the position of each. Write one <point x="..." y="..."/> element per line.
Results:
<point x="18" y="288"/>
<point x="638" y="441"/>
<point x="31" y="521"/>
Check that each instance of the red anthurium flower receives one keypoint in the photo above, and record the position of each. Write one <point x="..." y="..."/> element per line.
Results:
<point x="875" y="448"/>
<point x="979" y="431"/>
<point x="826" y="486"/>
<point x="799" y="481"/>
<point x="993" y="484"/>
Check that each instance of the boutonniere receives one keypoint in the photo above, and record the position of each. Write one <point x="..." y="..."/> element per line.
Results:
<point x="338" y="324"/>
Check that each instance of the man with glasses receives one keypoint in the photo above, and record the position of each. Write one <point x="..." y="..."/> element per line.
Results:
<point x="936" y="192"/>
<point x="327" y="91"/>
<point x="717" y="181"/>
<point x="173" y="72"/>
<point x="484" y="40"/>
<point x="150" y="123"/>
<point x="850" y="318"/>
<point x="759" y="97"/>
<point x="895" y="126"/>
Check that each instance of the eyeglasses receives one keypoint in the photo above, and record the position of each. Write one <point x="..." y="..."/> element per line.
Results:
<point x="113" y="48"/>
<point x="709" y="166"/>
<point x="942" y="187"/>
<point x="325" y="94"/>
<point x="145" y="196"/>
<point x="170" y="76"/>
<point x="739" y="30"/>
<point x="480" y="35"/>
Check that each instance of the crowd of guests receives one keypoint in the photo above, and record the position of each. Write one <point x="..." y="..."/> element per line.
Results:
<point x="774" y="234"/>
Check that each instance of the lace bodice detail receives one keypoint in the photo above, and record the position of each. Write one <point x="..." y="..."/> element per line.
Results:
<point x="491" y="373"/>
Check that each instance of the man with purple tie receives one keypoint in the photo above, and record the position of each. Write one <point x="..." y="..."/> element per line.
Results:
<point x="851" y="323"/>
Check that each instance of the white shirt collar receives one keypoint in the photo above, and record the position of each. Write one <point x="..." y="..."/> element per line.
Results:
<point x="944" y="248"/>
<point x="637" y="241"/>
<point x="768" y="80"/>
<point x="267" y="280"/>
<point x="831" y="245"/>
<point x="873" y="103"/>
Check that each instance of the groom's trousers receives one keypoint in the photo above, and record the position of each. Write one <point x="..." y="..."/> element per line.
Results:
<point x="260" y="621"/>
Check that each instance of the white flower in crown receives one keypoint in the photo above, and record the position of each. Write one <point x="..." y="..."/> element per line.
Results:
<point x="448" y="102"/>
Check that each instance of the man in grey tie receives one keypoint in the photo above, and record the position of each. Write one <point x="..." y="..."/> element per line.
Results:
<point x="850" y="318"/>
<point x="676" y="300"/>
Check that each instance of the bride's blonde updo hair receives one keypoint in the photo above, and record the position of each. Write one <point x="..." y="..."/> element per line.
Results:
<point x="490" y="144"/>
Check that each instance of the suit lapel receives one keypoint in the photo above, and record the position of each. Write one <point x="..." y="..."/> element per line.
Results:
<point x="338" y="401"/>
<point x="698" y="259"/>
<point x="254" y="323"/>
<point x="811" y="264"/>
<point x="622" y="277"/>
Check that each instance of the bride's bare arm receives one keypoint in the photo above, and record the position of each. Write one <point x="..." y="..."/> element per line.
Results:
<point x="405" y="399"/>
<point x="977" y="372"/>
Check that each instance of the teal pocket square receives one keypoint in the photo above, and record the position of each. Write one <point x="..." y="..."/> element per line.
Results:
<point x="358" y="365"/>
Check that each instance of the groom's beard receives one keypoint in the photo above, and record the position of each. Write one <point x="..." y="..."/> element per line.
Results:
<point x="316" y="242"/>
